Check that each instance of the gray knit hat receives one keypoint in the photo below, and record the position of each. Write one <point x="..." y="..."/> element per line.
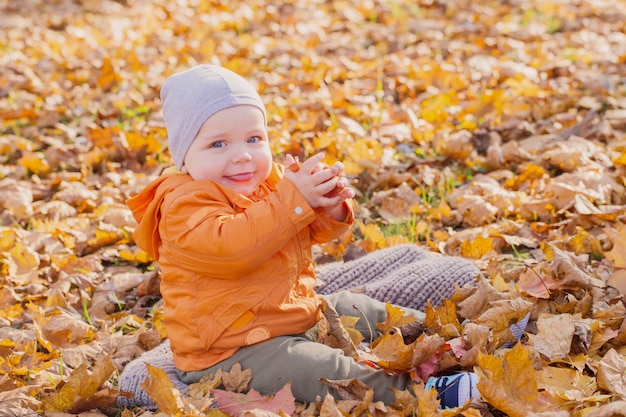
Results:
<point x="190" y="97"/>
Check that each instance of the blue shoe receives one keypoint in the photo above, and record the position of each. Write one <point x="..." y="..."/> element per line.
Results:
<point x="454" y="390"/>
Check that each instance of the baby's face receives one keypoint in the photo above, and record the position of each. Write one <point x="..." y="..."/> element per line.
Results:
<point x="232" y="149"/>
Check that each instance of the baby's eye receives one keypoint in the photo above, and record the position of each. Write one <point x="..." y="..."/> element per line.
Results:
<point x="218" y="144"/>
<point x="254" y="139"/>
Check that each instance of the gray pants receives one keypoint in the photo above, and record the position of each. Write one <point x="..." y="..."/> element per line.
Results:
<point x="300" y="360"/>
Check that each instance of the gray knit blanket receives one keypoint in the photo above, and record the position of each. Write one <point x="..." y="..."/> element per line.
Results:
<point x="404" y="275"/>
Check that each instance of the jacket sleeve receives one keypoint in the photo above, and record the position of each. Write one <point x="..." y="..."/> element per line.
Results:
<point x="324" y="228"/>
<point x="205" y="233"/>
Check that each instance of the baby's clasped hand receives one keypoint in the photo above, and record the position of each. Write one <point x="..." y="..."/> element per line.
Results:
<point x="322" y="186"/>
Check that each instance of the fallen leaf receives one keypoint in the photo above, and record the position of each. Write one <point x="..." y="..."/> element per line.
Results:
<point x="508" y="382"/>
<point x="611" y="373"/>
<point x="235" y="404"/>
<point x="166" y="396"/>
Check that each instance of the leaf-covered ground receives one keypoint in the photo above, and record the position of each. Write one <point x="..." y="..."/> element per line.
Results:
<point x="486" y="129"/>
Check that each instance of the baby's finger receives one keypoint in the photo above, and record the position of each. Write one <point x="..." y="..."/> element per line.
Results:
<point x="292" y="163"/>
<point x="310" y="164"/>
<point x="346" y="193"/>
<point x="318" y="167"/>
<point x="325" y="187"/>
<point x="337" y="167"/>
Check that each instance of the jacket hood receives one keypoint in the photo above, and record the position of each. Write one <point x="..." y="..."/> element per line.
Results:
<point x="146" y="209"/>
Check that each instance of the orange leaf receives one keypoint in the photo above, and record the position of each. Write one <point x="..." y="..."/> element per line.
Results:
<point x="508" y="383"/>
<point x="80" y="392"/>
<point x="161" y="389"/>
<point x="443" y="320"/>
<point x="477" y="248"/>
<point x="109" y="77"/>
<point x="396" y="317"/>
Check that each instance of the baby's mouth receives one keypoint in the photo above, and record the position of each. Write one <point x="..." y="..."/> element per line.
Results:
<point x="243" y="177"/>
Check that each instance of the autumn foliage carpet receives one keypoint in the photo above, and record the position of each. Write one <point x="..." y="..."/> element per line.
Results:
<point x="485" y="129"/>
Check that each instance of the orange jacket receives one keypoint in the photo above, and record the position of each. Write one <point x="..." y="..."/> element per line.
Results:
<point x="236" y="270"/>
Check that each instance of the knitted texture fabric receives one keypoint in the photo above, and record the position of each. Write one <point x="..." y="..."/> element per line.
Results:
<point x="135" y="372"/>
<point x="404" y="275"/>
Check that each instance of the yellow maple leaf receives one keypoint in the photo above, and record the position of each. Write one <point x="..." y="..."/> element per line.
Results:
<point x="7" y="239"/>
<point x="81" y="386"/>
<point x="565" y="384"/>
<point x="508" y="382"/>
<point x="477" y="248"/>
<point x="396" y="317"/>
<point x="373" y="233"/>
<point x="443" y="320"/>
<point x="161" y="389"/>
<point x="584" y="242"/>
<point x="392" y="353"/>
<point x="137" y="255"/>
<point x="35" y="162"/>
<point x="158" y="322"/>
<point x="140" y="142"/>
<point x="427" y="402"/>
<point x="109" y="76"/>
<point x="104" y="237"/>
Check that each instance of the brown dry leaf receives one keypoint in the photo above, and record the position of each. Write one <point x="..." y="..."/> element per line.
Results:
<point x="349" y="389"/>
<point x="236" y="404"/>
<point x="501" y="315"/>
<point x="237" y="379"/>
<point x="208" y="382"/>
<point x="612" y="409"/>
<point x="16" y="198"/>
<point x="554" y="335"/>
<point x="565" y="271"/>
<point x="425" y="347"/>
<point x="329" y="407"/>
<point x="337" y="335"/>
<point x="476" y="211"/>
<point x="531" y="282"/>
<point x="17" y="401"/>
<point x="394" y="206"/>
<point x="478" y="301"/>
<point x="61" y="328"/>
<point x="53" y="211"/>
<point x="617" y="254"/>
<point x="611" y="374"/>
<point x="617" y="280"/>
